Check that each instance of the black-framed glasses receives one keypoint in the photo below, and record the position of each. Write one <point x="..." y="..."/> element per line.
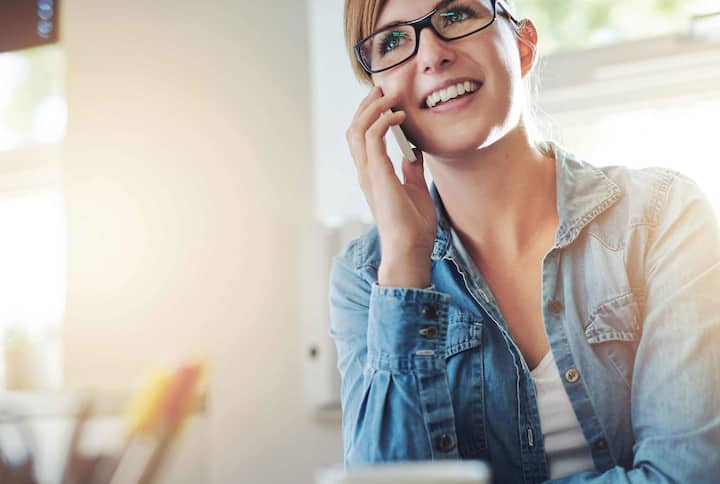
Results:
<point x="450" y="20"/>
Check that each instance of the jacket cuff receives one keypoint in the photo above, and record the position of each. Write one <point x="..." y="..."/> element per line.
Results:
<point x="407" y="323"/>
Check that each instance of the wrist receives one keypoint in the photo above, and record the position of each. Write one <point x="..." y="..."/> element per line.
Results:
<point x="406" y="272"/>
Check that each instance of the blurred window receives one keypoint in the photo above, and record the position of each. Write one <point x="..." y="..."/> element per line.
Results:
<point x="565" y="25"/>
<point x="681" y="136"/>
<point x="33" y="115"/>
<point x="32" y="102"/>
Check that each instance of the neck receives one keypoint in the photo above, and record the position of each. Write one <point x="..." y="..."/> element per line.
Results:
<point x="501" y="197"/>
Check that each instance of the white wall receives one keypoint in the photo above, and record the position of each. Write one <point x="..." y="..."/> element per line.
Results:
<point x="189" y="180"/>
<point x="336" y="95"/>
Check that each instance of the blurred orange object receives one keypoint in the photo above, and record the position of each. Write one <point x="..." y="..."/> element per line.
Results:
<point x="156" y="418"/>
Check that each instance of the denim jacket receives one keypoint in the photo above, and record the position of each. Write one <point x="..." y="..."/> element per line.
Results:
<point x="631" y="307"/>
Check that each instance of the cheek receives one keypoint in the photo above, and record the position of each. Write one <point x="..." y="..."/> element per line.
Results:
<point x="396" y="83"/>
<point x="424" y="129"/>
<point x="508" y="57"/>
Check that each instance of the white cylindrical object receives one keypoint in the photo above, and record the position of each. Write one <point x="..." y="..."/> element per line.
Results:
<point x="437" y="472"/>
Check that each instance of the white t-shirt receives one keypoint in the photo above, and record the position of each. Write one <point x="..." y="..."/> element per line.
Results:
<point x="566" y="449"/>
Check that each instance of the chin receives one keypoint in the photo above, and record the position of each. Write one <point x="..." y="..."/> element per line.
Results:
<point x="456" y="133"/>
<point x="452" y="146"/>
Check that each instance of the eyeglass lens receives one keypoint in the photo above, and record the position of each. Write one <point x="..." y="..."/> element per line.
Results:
<point x="396" y="44"/>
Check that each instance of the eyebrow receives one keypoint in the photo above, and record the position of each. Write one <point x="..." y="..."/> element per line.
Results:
<point x="439" y="5"/>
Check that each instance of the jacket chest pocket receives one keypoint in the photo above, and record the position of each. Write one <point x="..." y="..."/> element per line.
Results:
<point x="464" y="332"/>
<point x="613" y="331"/>
<point x="465" y="370"/>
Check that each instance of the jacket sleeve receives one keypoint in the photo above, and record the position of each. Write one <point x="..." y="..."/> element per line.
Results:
<point x="676" y="384"/>
<point x="394" y="390"/>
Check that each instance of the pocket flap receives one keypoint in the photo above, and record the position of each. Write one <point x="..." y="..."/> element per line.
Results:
<point x="464" y="332"/>
<point x="614" y="320"/>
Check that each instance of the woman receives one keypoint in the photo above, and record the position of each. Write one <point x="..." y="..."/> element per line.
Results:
<point x="557" y="320"/>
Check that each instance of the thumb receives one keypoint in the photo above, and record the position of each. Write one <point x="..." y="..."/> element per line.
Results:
<point x="413" y="171"/>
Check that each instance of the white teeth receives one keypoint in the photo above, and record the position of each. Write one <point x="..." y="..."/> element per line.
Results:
<point x="450" y="92"/>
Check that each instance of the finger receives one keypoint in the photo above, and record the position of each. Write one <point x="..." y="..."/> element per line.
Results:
<point x="357" y="134"/>
<point x="373" y="111"/>
<point x="374" y="93"/>
<point x="364" y="117"/>
<point x="413" y="171"/>
<point x="375" y="141"/>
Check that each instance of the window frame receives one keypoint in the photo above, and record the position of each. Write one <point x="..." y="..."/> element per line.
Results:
<point x="629" y="75"/>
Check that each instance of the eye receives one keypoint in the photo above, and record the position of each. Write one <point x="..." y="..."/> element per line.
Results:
<point x="454" y="17"/>
<point x="461" y="13"/>
<point x="392" y="40"/>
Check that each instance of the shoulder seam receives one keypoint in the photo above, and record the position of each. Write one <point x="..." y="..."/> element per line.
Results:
<point x="661" y="195"/>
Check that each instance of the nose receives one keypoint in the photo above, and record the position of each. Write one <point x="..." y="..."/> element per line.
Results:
<point x="433" y="52"/>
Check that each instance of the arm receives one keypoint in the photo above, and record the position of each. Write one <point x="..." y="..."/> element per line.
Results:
<point x="676" y="387"/>
<point x="395" y="403"/>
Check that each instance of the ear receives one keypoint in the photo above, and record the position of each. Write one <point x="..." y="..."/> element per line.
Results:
<point x="527" y="39"/>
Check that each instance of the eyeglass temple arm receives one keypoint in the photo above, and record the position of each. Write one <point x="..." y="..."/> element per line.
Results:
<point x="504" y="6"/>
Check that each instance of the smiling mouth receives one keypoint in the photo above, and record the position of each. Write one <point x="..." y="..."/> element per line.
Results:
<point x="451" y="92"/>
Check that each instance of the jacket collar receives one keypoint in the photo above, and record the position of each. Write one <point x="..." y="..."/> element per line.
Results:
<point x="583" y="193"/>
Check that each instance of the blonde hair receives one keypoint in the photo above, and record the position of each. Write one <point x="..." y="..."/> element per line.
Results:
<point x="361" y="17"/>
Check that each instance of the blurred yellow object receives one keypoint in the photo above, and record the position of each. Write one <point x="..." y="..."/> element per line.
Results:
<point x="156" y="415"/>
<point x="146" y="405"/>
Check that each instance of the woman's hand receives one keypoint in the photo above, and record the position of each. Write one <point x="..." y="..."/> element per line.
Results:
<point x="404" y="212"/>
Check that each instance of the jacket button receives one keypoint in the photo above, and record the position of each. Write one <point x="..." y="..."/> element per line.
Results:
<point x="555" y="306"/>
<point x="445" y="443"/>
<point x="430" y="332"/>
<point x="429" y="312"/>
<point x="601" y="444"/>
<point x="572" y="375"/>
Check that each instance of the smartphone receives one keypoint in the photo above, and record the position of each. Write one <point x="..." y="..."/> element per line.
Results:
<point x="403" y="143"/>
